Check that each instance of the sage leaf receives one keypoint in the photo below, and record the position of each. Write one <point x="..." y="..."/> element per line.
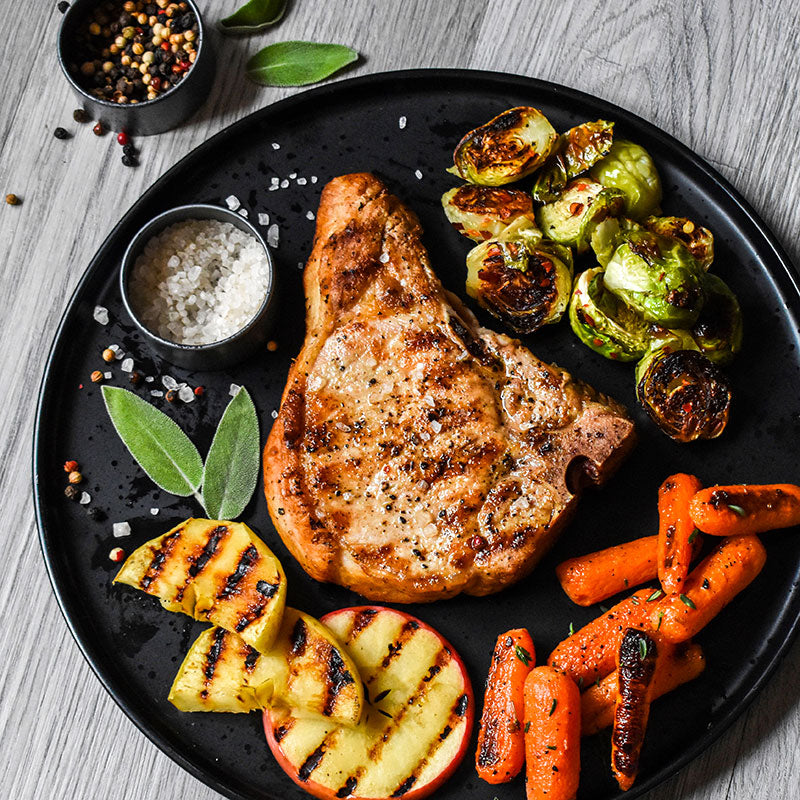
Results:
<point x="159" y="446"/>
<point x="253" y="17"/>
<point x="231" y="470"/>
<point x="298" y="63"/>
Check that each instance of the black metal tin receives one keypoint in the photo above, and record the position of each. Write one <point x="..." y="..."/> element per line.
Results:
<point x="151" y="116"/>
<point x="217" y="355"/>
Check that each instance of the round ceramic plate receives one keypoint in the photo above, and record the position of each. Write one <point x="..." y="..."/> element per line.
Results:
<point x="135" y="647"/>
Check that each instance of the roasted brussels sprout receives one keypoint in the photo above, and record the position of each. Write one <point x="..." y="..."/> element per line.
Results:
<point x="575" y="151"/>
<point x="521" y="279"/>
<point x="583" y="204"/>
<point x="481" y="212"/>
<point x="608" y="235"/>
<point x="629" y="168"/>
<point x="683" y="392"/>
<point x="718" y="330"/>
<point x="658" y="278"/>
<point x="505" y="149"/>
<point x="699" y="241"/>
<point x="604" y="323"/>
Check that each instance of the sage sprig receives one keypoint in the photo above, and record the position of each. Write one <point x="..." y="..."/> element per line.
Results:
<point x="253" y="16"/>
<point x="225" y="484"/>
<point x="298" y="63"/>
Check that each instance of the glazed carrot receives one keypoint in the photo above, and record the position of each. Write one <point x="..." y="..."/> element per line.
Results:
<point x="552" y="735"/>
<point x="676" y="530"/>
<point x="711" y="585"/>
<point x="677" y="665"/>
<point x="597" y="576"/>
<point x="501" y="742"/>
<point x="734" y="510"/>
<point x="636" y="668"/>
<point x="590" y="653"/>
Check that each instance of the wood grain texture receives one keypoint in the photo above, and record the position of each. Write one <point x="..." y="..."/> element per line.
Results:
<point x="717" y="74"/>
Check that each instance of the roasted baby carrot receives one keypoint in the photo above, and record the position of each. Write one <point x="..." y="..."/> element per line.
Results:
<point x="711" y="585"/>
<point x="552" y="735"/>
<point x="501" y="742"/>
<point x="734" y="510"/>
<point x="636" y="668"/>
<point x="590" y="653"/>
<point x="676" y="530"/>
<point x="597" y="576"/>
<point x="678" y="664"/>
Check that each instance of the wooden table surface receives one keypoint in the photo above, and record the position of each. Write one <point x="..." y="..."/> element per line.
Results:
<point x="717" y="74"/>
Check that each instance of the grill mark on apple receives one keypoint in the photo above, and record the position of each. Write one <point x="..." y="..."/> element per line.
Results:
<point x="160" y="558"/>
<point x="298" y="638"/>
<point x="283" y="729"/>
<point x="361" y="620"/>
<point x="311" y="763"/>
<point x="247" y="560"/>
<point x="348" y="787"/>
<point x="337" y="677"/>
<point x="406" y="634"/>
<point x="251" y="658"/>
<point x="213" y="656"/>
<point x="211" y="545"/>
<point x="404" y="786"/>
<point x="255" y="610"/>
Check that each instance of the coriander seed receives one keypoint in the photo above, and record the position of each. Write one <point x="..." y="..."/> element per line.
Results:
<point x="96" y="376"/>
<point x="75" y="477"/>
<point x="109" y="355"/>
<point x="71" y="492"/>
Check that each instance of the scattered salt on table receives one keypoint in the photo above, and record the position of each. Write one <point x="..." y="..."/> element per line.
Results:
<point x="85" y="499"/>
<point x="401" y="123"/>
<point x="243" y="212"/>
<point x="148" y="379"/>
<point x="276" y="146"/>
<point x="292" y="175"/>
<point x="284" y="183"/>
<point x="169" y="382"/>
<point x="301" y="181"/>
<point x="309" y="215"/>
<point x="156" y="393"/>
<point x="313" y="179"/>
<point x="233" y="202"/>
<point x="101" y="315"/>
<point x="274" y="414"/>
<point x="418" y="173"/>
<point x="108" y="376"/>
<point x="273" y="235"/>
<point x="263" y="219"/>
<point x="234" y="390"/>
<point x="186" y="394"/>
<point x="154" y="511"/>
<point x="120" y="529"/>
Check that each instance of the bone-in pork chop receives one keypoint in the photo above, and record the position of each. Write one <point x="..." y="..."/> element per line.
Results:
<point x="417" y="455"/>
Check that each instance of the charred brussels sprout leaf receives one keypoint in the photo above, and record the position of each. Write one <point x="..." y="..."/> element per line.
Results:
<point x="481" y="212"/>
<point x="571" y="219"/>
<point x="699" y="241"/>
<point x="629" y="168"/>
<point x="605" y="323"/>
<point x="505" y="149"/>
<point x="520" y="279"/>
<point x="683" y="392"/>
<point x="576" y="150"/>
<point x="658" y="278"/>
<point x="718" y="330"/>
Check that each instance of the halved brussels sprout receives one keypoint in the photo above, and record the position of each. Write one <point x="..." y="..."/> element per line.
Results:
<point x="629" y="168"/>
<point x="658" y="278"/>
<point x="604" y="323"/>
<point x="583" y="204"/>
<point x="608" y="235"/>
<point x="699" y="241"/>
<point x="480" y="212"/>
<point x="519" y="278"/>
<point x="505" y="149"/>
<point x="575" y="151"/>
<point x="718" y="330"/>
<point x="683" y="392"/>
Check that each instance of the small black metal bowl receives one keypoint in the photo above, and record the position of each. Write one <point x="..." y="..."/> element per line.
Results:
<point x="148" y="116"/>
<point x="216" y="355"/>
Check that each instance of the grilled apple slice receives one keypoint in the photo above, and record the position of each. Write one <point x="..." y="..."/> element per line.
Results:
<point x="416" y="723"/>
<point x="214" y="571"/>
<point x="306" y="668"/>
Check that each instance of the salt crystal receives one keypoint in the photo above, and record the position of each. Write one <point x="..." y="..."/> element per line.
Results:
<point x="186" y="394"/>
<point x="418" y="173"/>
<point x="300" y="265"/>
<point x="127" y="365"/>
<point x="343" y="427"/>
<point x="423" y="486"/>
<point x="233" y="202"/>
<point x="284" y="183"/>
<point x="154" y="511"/>
<point x="120" y="529"/>
<point x="243" y="212"/>
<point x="309" y="215"/>
<point x="401" y="123"/>
<point x="424" y="435"/>
<point x="292" y="175"/>
<point x="273" y="188"/>
<point x="169" y="382"/>
<point x="233" y="391"/>
<point x="148" y="379"/>
<point x="301" y="181"/>
<point x="274" y="414"/>
<point x="107" y="376"/>
<point x="85" y="499"/>
<point x="313" y="179"/>
<point x="156" y="393"/>
<point x="114" y="348"/>
<point x="383" y="258"/>
<point x="276" y="146"/>
<point x="347" y="496"/>
<point x="273" y="235"/>
<point x="436" y="425"/>
<point x="101" y="315"/>
<point x="263" y="219"/>
<point x="428" y="399"/>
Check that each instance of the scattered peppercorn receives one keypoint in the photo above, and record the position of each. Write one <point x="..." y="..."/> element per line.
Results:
<point x="272" y="346"/>
<point x="70" y="466"/>
<point x="122" y="138"/>
<point x="96" y="514"/>
<point x="99" y="129"/>
<point x="117" y="554"/>
<point x="198" y="391"/>
<point x="81" y="115"/>
<point x="129" y="150"/>
<point x="109" y="355"/>
<point x="63" y="6"/>
<point x="13" y="200"/>
<point x="96" y="376"/>
<point x="170" y="396"/>
<point x="74" y="477"/>
<point x="129" y="161"/>
<point x="136" y="378"/>
<point x="61" y="133"/>
<point x="71" y="492"/>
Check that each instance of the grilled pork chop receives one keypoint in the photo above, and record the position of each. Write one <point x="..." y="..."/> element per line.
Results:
<point x="417" y="455"/>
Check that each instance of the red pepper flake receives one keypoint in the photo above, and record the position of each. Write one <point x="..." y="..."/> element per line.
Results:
<point x="70" y="466"/>
<point x="122" y="138"/>
<point x="117" y="555"/>
<point x="477" y="543"/>
<point x="597" y="342"/>
<point x="575" y="208"/>
<point x="686" y="408"/>
<point x="198" y="391"/>
<point x="165" y="46"/>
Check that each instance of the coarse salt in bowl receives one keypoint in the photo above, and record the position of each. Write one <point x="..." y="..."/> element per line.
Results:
<point x="199" y="282"/>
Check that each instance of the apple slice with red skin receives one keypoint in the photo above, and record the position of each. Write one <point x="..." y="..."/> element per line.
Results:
<point x="417" y="719"/>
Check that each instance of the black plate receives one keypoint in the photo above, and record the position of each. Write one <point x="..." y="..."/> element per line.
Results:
<point x="135" y="647"/>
